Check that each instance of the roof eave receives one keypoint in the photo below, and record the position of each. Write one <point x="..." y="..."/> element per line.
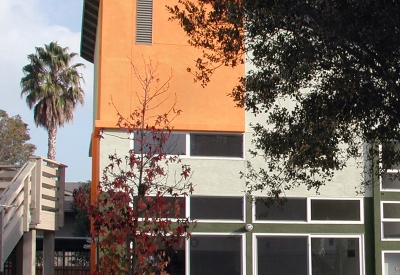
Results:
<point x="89" y="29"/>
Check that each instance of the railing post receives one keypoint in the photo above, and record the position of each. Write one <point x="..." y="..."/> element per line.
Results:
<point x="37" y="193"/>
<point x="27" y="204"/>
<point x="1" y="240"/>
<point x="61" y="195"/>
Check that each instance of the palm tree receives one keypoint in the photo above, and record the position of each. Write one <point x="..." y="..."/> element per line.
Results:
<point x="52" y="87"/>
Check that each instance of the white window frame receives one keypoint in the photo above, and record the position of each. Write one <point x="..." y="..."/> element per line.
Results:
<point x="188" y="203"/>
<point x="308" y="213"/>
<point x="187" y="147"/>
<point x="194" y="234"/>
<point x="388" y="220"/>
<point x="360" y="237"/>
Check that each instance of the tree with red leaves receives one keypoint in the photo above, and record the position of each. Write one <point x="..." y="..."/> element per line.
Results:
<point x="136" y="216"/>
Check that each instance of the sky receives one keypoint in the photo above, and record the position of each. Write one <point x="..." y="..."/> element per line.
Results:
<point x="25" y="24"/>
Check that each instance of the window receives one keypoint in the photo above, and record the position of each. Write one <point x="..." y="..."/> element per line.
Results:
<point x="340" y="256"/>
<point x="216" y="208"/>
<point x="144" y="21"/>
<point x="294" y="209"/>
<point x="277" y="255"/>
<point x="308" y="254"/>
<point x="336" y="210"/>
<point x="391" y="262"/>
<point x="216" y="145"/>
<point x="311" y="210"/>
<point x="162" y="142"/>
<point x="165" y="206"/>
<point x="216" y="254"/>
<point x="390" y="213"/>
<point x="390" y="166"/>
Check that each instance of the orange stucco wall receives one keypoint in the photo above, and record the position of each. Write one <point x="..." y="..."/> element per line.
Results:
<point x="203" y="109"/>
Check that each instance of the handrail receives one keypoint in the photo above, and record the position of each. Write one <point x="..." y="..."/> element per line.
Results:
<point x="33" y="200"/>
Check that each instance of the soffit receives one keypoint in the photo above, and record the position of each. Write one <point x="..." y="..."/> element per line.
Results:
<point x="89" y="28"/>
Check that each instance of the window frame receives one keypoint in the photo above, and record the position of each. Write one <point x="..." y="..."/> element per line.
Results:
<point x="360" y="237"/>
<point x="308" y="213"/>
<point x="188" y="206"/>
<point x="188" y="141"/>
<point x="388" y="220"/>
<point x="361" y="205"/>
<point x="194" y="234"/>
<point x="388" y="171"/>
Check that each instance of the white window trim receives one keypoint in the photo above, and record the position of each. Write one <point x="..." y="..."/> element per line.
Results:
<point x="308" y="213"/>
<point x="188" y="203"/>
<point x="383" y="257"/>
<point x="360" y="237"/>
<point x="388" y="220"/>
<point x="187" y="248"/>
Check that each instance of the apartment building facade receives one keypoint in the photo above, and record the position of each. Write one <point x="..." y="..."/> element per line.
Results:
<point x="337" y="231"/>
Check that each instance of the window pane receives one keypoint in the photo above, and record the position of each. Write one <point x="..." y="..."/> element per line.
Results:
<point x="215" y="255"/>
<point x="335" y="210"/>
<point x="391" y="210"/>
<point x="335" y="256"/>
<point x="167" y="143"/>
<point x="391" y="181"/>
<point x="216" y="208"/>
<point x="165" y="207"/>
<point x="216" y="145"/>
<point x="282" y="255"/>
<point x="391" y="230"/>
<point x="391" y="263"/>
<point x="294" y="209"/>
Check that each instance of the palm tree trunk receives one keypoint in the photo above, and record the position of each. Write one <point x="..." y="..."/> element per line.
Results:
<point x="51" y="143"/>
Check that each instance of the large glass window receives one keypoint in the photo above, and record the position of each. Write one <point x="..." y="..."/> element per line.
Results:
<point x="216" y="208"/>
<point x="335" y="256"/>
<point x="391" y="263"/>
<point x="216" y="255"/>
<point x="216" y="145"/>
<point x="278" y="255"/>
<point x="308" y="254"/>
<point x="294" y="209"/>
<point x="335" y="210"/>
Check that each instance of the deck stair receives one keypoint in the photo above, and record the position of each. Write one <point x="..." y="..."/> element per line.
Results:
<point x="32" y="197"/>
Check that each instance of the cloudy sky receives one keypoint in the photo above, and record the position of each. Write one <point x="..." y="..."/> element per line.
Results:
<point x="25" y="24"/>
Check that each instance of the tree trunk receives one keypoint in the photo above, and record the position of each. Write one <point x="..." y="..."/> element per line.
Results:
<point x="51" y="145"/>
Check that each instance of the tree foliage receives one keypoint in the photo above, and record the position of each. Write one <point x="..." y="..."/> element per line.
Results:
<point x="82" y="221"/>
<point x="14" y="137"/>
<point x="324" y="74"/>
<point x="52" y="86"/>
<point x="136" y="216"/>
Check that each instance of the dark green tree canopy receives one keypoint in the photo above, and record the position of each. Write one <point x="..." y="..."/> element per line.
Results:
<point x="324" y="73"/>
<point x="14" y="137"/>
